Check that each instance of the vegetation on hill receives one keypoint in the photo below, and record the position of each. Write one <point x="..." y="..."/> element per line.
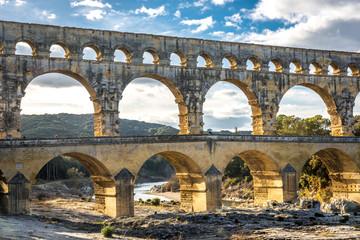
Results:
<point x="82" y="125"/>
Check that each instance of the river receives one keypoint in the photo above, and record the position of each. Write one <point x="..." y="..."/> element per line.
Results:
<point x="141" y="189"/>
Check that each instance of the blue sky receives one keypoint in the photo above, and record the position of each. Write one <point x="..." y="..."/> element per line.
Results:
<point x="323" y="24"/>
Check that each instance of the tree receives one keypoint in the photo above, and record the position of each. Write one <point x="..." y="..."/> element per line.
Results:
<point x="314" y="126"/>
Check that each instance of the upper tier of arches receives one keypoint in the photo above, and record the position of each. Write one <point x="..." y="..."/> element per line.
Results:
<point x="133" y="46"/>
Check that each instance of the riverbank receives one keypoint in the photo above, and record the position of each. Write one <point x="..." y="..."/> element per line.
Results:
<point x="170" y="195"/>
<point x="75" y="219"/>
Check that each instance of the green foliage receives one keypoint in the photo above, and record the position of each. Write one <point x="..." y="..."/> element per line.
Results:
<point x="315" y="181"/>
<point x="58" y="167"/>
<point x="82" y="125"/>
<point x="238" y="170"/>
<point x="155" y="201"/>
<point x="107" y="231"/>
<point x="291" y="125"/>
<point x="73" y="173"/>
<point x="156" y="167"/>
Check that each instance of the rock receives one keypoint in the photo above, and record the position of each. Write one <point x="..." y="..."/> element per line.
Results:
<point x="309" y="203"/>
<point x="158" y="188"/>
<point x="270" y="204"/>
<point x="338" y="205"/>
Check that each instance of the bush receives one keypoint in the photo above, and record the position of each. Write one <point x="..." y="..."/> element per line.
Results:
<point x="155" y="202"/>
<point x="74" y="173"/>
<point x="107" y="231"/>
<point x="89" y="199"/>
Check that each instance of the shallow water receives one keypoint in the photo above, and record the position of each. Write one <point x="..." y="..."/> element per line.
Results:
<point x="141" y="189"/>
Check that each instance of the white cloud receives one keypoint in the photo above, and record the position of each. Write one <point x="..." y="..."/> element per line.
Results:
<point x="90" y="3"/>
<point x="233" y="21"/>
<point x="200" y="3"/>
<point x="177" y="14"/>
<point x="95" y="14"/>
<point x="221" y="2"/>
<point x="325" y="24"/>
<point x="2" y="2"/>
<point x="152" y="12"/>
<point x="19" y="3"/>
<point x="204" y="24"/>
<point x="48" y="15"/>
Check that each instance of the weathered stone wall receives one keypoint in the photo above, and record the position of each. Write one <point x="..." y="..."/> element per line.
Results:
<point x="199" y="161"/>
<point x="105" y="79"/>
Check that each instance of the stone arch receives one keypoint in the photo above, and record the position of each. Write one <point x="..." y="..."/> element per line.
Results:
<point x="255" y="61"/>
<point x="317" y="67"/>
<point x="337" y="161"/>
<point x="257" y="122"/>
<point x="64" y="47"/>
<point x="267" y="180"/>
<point x="3" y="193"/>
<point x="92" y="165"/>
<point x="232" y="60"/>
<point x="126" y="52"/>
<point x="193" y="190"/>
<point x="354" y="69"/>
<point x="182" y="58"/>
<point x="344" y="173"/>
<point x="88" y="86"/>
<point x="330" y="104"/>
<point x="31" y="45"/>
<point x="96" y="49"/>
<point x="298" y="65"/>
<point x="208" y="59"/>
<point x="335" y="68"/>
<point x="179" y="98"/>
<point x="278" y="65"/>
<point x="154" y="54"/>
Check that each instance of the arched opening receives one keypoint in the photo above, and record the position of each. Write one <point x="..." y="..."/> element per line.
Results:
<point x="232" y="117"/>
<point x="25" y="48"/>
<point x="186" y="182"/>
<point x="177" y="59"/>
<point x="353" y="70"/>
<point x="59" y="50"/>
<point x="275" y="66"/>
<point x="47" y="110"/>
<point x="150" y="98"/>
<point x="329" y="173"/>
<point x="356" y="114"/>
<point x="204" y="60"/>
<point x="229" y="62"/>
<point x="3" y="193"/>
<point x="315" y="68"/>
<point x="92" y="52"/>
<point x="306" y="110"/>
<point x="253" y="172"/>
<point x="150" y="57"/>
<point x="295" y="66"/>
<point x="71" y="184"/>
<point x="333" y="69"/>
<point x="253" y="64"/>
<point x="122" y="55"/>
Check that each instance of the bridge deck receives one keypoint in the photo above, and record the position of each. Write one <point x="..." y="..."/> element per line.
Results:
<point x="6" y="143"/>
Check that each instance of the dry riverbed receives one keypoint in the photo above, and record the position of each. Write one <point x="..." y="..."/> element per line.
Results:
<point x="69" y="217"/>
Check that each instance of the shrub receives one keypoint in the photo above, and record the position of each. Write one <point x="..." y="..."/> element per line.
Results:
<point x="155" y="202"/>
<point x="148" y="200"/>
<point x="107" y="231"/>
<point x="89" y="199"/>
<point x="74" y="173"/>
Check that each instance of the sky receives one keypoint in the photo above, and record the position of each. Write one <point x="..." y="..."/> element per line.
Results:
<point x="319" y="24"/>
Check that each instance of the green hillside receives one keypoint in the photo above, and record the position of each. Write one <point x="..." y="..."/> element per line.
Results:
<point x="82" y="125"/>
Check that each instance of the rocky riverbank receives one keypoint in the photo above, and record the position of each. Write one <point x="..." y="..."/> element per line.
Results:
<point x="70" y="216"/>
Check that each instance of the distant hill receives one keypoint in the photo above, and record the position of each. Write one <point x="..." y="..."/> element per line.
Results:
<point x="82" y="125"/>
